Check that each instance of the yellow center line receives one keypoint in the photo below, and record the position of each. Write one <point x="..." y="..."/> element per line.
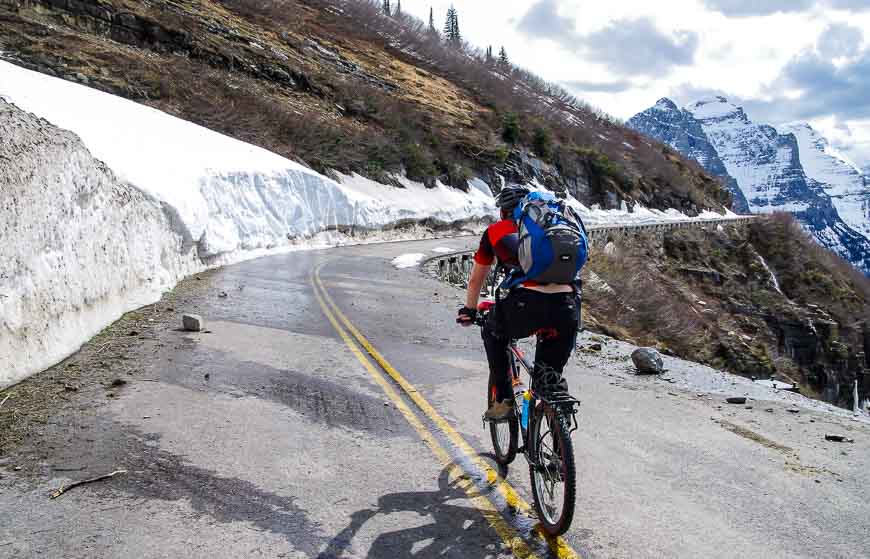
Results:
<point x="492" y="515"/>
<point x="558" y="545"/>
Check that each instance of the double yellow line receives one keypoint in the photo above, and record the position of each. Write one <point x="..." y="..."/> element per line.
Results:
<point x="508" y="533"/>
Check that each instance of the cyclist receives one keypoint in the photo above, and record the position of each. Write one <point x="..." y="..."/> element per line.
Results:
<point x="551" y="310"/>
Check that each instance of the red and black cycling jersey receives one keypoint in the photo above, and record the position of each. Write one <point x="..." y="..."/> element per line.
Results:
<point x="499" y="242"/>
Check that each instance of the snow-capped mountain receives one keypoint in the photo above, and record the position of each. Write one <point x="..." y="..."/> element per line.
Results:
<point x="793" y="170"/>
<point x="840" y="179"/>
<point x="679" y="129"/>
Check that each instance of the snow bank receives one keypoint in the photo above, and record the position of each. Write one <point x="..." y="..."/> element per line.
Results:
<point x="230" y="196"/>
<point x="89" y="243"/>
<point x="639" y="215"/>
<point x="408" y="260"/>
<point x="80" y="247"/>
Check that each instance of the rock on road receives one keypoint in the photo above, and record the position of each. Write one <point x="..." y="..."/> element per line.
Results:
<point x="265" y="436"/>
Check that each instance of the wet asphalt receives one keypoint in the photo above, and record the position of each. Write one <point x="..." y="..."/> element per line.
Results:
<point x="266" y="437"/>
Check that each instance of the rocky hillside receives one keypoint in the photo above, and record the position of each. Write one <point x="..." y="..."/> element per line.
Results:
<point x="792" y="170"/>
<point x="761" y="300"/>
<point x="339" y="86"/>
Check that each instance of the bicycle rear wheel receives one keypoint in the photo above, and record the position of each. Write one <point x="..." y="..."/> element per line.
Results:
<point x="552" y="469"/>
<point x="504" y="435"/>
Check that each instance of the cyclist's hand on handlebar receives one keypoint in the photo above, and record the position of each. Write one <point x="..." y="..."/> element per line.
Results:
<point x="466" y="316"/>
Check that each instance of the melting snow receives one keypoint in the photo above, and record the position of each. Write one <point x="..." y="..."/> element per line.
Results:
<point x="408" y="260"/>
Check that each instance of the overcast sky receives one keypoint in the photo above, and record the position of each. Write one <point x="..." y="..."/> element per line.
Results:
<point x="783" y="60"/>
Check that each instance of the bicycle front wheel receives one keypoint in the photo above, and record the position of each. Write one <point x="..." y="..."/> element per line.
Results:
<point x="552" y="469"/>
<point x="504" y="435"/>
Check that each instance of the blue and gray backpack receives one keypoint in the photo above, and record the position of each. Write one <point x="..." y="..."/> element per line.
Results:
<point x="553" y="244"/>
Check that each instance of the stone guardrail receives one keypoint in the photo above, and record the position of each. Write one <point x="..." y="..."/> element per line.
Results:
<point x="454" y="267"/>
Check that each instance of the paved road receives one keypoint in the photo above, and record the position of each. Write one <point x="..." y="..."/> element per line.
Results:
<point x="298" y="443"/>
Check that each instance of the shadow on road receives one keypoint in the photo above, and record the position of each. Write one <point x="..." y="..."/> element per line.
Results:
<point x="446" y="527"/>
<point x="502" y="470"/>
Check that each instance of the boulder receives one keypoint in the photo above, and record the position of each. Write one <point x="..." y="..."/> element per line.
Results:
<point x="647" y="361"/>
<point x="192" y="322"/>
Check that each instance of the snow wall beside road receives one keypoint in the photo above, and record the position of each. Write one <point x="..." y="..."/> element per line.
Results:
<point x="106" y="204"/>
<point x="79" y="248"/>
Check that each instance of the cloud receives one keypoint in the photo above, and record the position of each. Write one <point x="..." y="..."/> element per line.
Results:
<point x="638" y="47"/>
<point x="543" y="20"/>
<point x="840" y="40"/>
<point x="598" y="87"/>
<point x="627" y="47"/>
<point x="827" y="89"/>
<point x="818" y="88"/>
<point x="750" y="8"/>
<point x="856" y="5"/>
<point x="754" y="8"/>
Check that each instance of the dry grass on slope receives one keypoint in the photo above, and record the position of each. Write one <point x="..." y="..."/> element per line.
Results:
<point x="337" y="85"/>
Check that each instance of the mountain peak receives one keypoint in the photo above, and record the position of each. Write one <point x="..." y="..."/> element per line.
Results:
<point x="799" y="125"/>
<point x="666" y="104"/>
<point x="715" y="107"/>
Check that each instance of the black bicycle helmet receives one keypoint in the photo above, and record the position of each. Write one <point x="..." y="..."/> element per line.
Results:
<point x="509" y="196"/>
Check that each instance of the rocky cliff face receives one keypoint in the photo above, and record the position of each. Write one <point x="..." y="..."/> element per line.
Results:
<point x="792" y="170"/>
<point x="835" y="175"/>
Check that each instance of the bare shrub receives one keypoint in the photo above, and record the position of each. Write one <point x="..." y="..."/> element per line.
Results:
<point x="642" y="302"/>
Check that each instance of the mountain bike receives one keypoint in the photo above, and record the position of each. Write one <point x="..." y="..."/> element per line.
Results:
<point x="544" y="418"/>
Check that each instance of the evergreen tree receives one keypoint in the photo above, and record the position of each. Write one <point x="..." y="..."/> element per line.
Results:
<point x="432" y="21"/>
<point x="543" y="144"/>
<point x="510" y="131"/>
<point x="387" y="10"/>
<point x="398" y="7"/>
<point x="488" y="59"/>
<point x="503" y="58"/>
<point x="451" y="27"/>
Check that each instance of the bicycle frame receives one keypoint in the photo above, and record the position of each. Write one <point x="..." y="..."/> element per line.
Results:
<point x="564" y="403"/>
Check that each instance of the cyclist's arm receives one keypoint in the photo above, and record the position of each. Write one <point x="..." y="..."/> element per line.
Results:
<point x="475" y="283"/>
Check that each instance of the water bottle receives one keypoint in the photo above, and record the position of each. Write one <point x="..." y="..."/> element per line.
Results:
<point x="527" y="397"/>
<point x="519" y="389"/>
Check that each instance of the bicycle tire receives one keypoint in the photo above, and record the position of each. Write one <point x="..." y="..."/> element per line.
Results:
<point x="558" y="429"/>
<point x="503" y="433"/>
